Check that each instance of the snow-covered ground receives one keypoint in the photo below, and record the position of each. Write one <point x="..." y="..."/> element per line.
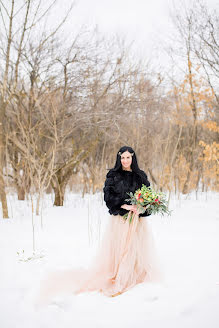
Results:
<point x="67" y="238"/>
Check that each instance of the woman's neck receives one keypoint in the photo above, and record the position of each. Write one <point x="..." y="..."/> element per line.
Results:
<point x="129" y="169"/>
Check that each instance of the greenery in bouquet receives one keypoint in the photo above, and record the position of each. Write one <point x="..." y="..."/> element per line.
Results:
<point x="148" y="200"/>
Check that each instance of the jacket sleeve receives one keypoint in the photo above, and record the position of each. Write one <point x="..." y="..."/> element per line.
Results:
<point x="147" y="184"/>
<point x="111" y="197"/>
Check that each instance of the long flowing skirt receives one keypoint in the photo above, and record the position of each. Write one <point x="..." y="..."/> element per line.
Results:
<point x="126" y="257"/>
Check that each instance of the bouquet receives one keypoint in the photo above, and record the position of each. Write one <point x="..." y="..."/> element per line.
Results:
<point x="148" y="199"/>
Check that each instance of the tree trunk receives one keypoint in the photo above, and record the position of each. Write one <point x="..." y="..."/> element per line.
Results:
<point x="38" y="202"/>
<point x="20" y="193"/>
<point x="186" y="186"/>
<point x="59" y="195"/>
<point x="3" y="196"/>
<point x="194" y="137"/>
<point x="2" y="151"/>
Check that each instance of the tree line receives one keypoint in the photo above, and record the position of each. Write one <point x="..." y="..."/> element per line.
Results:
<point x="67" y="106"/>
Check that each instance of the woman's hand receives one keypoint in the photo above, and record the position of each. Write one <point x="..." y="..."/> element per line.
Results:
<point x="132" y="208"/>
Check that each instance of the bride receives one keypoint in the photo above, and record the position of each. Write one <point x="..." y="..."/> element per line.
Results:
<point x="127" y="255"/>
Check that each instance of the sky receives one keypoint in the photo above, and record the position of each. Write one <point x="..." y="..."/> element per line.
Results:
<point x="146" y="22"/>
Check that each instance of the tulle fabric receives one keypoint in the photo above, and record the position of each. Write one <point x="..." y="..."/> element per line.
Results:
<point x="126" y="257"/>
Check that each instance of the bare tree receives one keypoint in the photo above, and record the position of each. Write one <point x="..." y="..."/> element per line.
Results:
<point x="18" y="21"/>
<point x="206" y="43"/>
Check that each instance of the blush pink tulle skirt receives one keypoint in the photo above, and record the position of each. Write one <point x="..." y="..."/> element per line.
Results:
<point x="126" y="257"/>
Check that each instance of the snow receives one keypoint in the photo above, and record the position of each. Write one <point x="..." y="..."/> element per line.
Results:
<point x="67" y="237"/>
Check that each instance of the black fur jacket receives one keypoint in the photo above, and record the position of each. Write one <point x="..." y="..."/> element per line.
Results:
<point x="117" y="184"/>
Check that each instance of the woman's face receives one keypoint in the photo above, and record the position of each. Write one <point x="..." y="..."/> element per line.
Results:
<point x="126" y="160"/>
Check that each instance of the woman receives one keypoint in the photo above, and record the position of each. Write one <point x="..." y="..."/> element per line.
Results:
<point x="131" y="255"/>
<point x="127" y="255"/>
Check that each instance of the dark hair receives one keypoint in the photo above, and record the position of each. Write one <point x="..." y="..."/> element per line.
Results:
<point x="134" y="165"/>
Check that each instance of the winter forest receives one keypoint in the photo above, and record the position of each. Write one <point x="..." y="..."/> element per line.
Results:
<point x="68" y="102"/>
